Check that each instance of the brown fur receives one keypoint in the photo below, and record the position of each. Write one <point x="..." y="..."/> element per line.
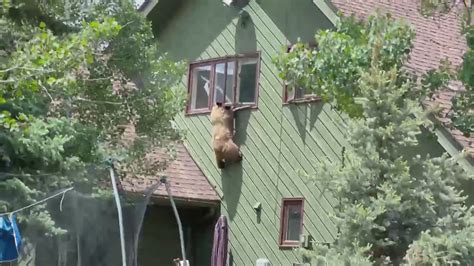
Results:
<point x="225" y="150"/>
<point x="217" y="115"/>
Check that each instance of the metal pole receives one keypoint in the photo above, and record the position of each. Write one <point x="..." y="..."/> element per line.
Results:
<point x="180" y="228"/>
<point x="119" y="210"/>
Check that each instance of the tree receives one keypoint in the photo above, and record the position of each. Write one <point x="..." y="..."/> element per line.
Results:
<point x="65" y="97"/>
<point x="395" y="207"/>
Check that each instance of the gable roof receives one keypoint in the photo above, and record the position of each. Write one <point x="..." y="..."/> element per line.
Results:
<point x="436" y="38"/>
<point x="187" y="181"/>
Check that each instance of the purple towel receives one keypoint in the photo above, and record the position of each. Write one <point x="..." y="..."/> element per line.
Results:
<point x="219" y="249"/>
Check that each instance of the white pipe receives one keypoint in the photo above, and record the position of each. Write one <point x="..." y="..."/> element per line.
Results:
<point x="119" y="210"/>
<point x="178" y="220"/>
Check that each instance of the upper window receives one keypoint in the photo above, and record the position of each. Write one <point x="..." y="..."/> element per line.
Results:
<point x="231" y="80"/>
<point x="298" y="94"/>
<point x="291" y="223"/>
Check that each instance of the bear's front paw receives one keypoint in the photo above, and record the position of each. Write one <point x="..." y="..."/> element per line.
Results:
<point x="240" y="157"/>
<point x="220" y="164"/>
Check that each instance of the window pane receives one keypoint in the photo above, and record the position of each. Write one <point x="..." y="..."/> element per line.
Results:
<point x="247" y="81"/>
<point x="293" y="94"/>
<point x="293" y="222"/>
<point x="201" y="82"/>
<point x="229" y="91"/>
<point x="299" y="93"/>
<point x="222" y="83"/>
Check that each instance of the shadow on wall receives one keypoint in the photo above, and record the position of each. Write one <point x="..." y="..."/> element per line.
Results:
<point x="299" y="112"/>
<point x="245" y="42"/>
<point x="315" y="109"/>
<point x="245" y="36"/>
<point x="242" y="118"/>
<point x="231" y="187"/>
<point x="300" y="115"/>
<point x="468" y="190"/>
<point x="192" y="28"/>
<point x="295" y="19"/>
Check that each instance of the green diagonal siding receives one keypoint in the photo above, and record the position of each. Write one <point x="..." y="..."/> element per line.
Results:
<point x="277" y="140"/>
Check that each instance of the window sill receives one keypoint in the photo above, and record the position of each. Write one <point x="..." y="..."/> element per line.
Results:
<point x="207" y="112"/>
<point x="198" y="112"/>
<point x="313" y="99"/>
<point x="288" y="245"/>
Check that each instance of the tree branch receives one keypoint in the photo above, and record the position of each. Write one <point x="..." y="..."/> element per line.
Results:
<point x="47" y="92"/>
<point x="98" y="102"/>
<point x="20" y="67"/>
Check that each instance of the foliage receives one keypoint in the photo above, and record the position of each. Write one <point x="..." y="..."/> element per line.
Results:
<point x="324" y="256"/>
<point x="65" y="99"/>
<point x="391" y="201"/>
<point x="432" y="7"/>
<point x="462" y="114"/>
<point x="463" y="104"/>
<point x="333" y="69"/>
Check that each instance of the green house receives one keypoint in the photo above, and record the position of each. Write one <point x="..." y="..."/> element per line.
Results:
<point x="230" y="48"/>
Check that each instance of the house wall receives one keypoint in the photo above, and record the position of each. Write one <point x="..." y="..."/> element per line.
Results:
<point x="276" y="140"/>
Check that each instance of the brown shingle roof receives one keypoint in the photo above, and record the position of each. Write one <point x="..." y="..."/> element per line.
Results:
<point x="436" y="38"/>
<point x="186" y="179"/>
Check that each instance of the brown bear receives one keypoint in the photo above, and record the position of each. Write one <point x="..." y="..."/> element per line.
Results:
<point x="225" y="150"/>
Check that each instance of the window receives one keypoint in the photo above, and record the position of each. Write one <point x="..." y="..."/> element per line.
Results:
<point x="231" y="80"/>
<point x="291" y="222"/>
<point x="295" y="95"/>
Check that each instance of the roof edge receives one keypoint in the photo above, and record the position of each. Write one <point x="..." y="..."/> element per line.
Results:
<point x="328" y="10"/>
<point x="147" y="7"/>
<point x="453" y="148"/>
<point x="186" y="201"/>
<point x="165" y="200"/>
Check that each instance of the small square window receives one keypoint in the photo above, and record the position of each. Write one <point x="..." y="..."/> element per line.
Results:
<point x="233" y="80"/>
<point x="295" y="95"/>
<point x="291" y="222"/>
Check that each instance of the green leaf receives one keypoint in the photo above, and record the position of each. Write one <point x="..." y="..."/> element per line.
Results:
<point x="90" y="58"/>
<point x="94" y="24"/>
<point x="51" y="80"/>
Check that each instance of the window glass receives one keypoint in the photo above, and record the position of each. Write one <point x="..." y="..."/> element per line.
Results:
<point x="247" y="79"/>
<point x="201" y="82"/>
<point x="230" y="82"/>
<point x="224" y="81"/>
<point x="300" y="93"/>
<point x="219" y="85"/>
<point x="293" y="222"/>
